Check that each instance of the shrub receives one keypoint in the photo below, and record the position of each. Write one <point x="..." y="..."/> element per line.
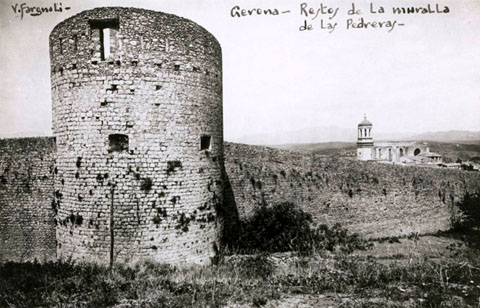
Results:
<point x="285" y="227"/>
<point x="470" y="208"/>
<point x="467" y="225"/>
<point x="279" y="228"/>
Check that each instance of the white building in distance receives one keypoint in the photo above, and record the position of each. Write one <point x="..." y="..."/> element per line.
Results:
<point x="401" y="152"/>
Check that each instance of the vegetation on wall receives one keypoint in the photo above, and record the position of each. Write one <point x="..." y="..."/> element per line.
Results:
<point x="466" y="226"/>
<point x="469" y="209"/>
<point x="285" y="227"/>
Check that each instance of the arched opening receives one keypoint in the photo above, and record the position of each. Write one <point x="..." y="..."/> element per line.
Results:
<point x="416" y="152"/>
<point x="390" y="154"/>
<point x="401" y="152"/>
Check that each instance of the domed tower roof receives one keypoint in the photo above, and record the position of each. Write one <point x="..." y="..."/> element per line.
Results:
<point x="365" y="122"/>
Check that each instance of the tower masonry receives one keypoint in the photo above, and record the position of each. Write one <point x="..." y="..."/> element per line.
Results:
<point x="137" y="115"/>
<point x="365" y="140"/>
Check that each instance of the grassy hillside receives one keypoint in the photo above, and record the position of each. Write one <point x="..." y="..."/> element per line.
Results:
<point x="453" y="151"/>
<point x="344" y="149"/>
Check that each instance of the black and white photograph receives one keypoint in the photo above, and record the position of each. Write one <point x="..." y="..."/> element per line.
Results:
<point x="240" y="153"/>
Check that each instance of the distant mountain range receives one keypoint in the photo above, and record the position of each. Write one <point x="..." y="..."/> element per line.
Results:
<point x="449" y="136"/>
<point x="324" y="134"/>
<point x="337" y="134"/>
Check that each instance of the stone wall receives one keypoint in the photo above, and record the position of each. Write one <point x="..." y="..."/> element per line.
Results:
<point x="374" y="200"/>
<point x="27" y="218"/>
<point x="139" y="136"/>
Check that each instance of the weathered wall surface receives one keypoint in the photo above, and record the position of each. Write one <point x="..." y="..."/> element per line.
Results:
<point x="27" y="226"/>
<point x="134" y="117"/>
<point x="371" y="199"/>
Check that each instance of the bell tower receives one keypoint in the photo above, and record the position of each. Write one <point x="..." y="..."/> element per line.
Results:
<point x="365" y="140"/>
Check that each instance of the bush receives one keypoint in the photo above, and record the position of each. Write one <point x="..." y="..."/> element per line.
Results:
<point x="470" y="208"/>
<point x="466" y="226"/>
<point x="285" y="227"/>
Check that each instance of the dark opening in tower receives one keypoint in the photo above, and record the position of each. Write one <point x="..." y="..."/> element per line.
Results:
<point x="205" y="142"/>
<point x="117" y="143"/>
<point x="107" y="32"/>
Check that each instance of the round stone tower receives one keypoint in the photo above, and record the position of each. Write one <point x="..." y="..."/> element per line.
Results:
<point x="137" y="115"/>
<point x="365" y="140"/>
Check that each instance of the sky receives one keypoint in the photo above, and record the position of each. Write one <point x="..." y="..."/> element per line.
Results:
<point x="422" y="76"/>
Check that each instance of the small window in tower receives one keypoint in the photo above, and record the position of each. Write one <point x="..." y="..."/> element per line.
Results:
<point x="75" y="42"/>
<point x="176" y="67"/>
<point x="205" y="142"/>
<point x="60" y="46"/>
<point x="117" y="143"/>
<point x="106" y="43"/>
<point x="107" y="33"/>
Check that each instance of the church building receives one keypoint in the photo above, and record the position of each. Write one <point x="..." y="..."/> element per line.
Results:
<point x="401" y="152"/>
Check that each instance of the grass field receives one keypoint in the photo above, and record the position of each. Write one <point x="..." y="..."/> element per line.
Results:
<point x="291" y="263"/>
<point x="433" y="271"/>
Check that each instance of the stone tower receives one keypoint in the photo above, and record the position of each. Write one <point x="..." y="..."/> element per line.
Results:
<point x="365" y="140"/>
<point x="137" y="115"/>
